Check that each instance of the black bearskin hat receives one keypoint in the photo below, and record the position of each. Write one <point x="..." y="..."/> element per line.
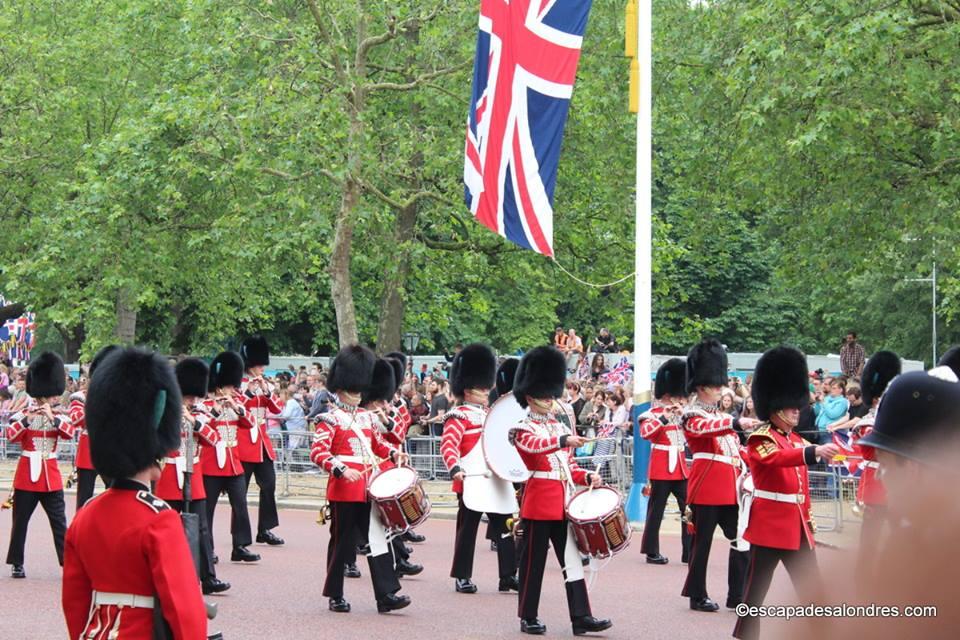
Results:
<point x="400" y="356"/>
<point x="671" y="379"/>
<point x="706" y="365"/>
<point x="226" y="370"/>
<point x="542" y="373"/>
<point x="46" y="376"/>
<point x="951" y="359"/>
<point x="780" y="381"/>
<point x="193" y="375"/>
<point x="133" y="412"/>
<point x="101" y="355"/>
<point x="881" y="368"/>
<point x="383" y="384"/>
<point x="474" y="367"/>
<point x="351" y="370"/>
<point x="506" y="373"/>
<point x="255" y="352"/>
<point x="398" y="371"/>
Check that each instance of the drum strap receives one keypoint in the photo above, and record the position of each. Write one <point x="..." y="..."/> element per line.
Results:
<point x="369" y="458"/>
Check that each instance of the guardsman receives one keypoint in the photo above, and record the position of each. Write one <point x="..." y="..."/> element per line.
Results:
<point x="38" y="430"/>
<point x="546" y="447"/>
<point x="348" y="448"/>
<point x="192" y="379"/>
<point x="880" y="370"/>
<point x="222" y="468"/>
<point x="377" y="399"/>
<point x="404" y="421"/>
<point x="127" y="562"/>
<point x="256" y="449"/>
<point x="712" y="487"/>
<point x="780" y="523"/>
<point x="478" y="490"/>
<point x="668" y="465"/>
<point x="86" y="474"/>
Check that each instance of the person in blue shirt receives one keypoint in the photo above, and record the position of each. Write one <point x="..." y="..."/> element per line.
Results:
<point x="831" y="408"/>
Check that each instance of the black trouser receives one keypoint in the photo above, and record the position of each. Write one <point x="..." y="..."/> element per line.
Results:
<point x="199" y="507"/>
<point x="660" y="490"/>
<point x="706" y="517"/>
<point x="24" y="502"/>
<point x="399" y="549"/>
<point x="236" y="491"/>
<point x="86" y="482"/>
<point x="801" y="564"/>
<point x="267" y="517"/>
<point x="345" y="519"/>
<point x="540" y="534"/>
<point x="468" y="521"/>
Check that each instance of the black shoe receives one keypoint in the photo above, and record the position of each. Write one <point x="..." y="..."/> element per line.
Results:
<point x="413" y="536"/>
<point x="407" y="568"/>
<point x="657" y="559"/>
<point x="392" y="602"/>
<point x="242" y="554"/>
<point x="269" y="537"/>
<point x="703" y="604"/>
<point x="465" y="585"/>
<point x="213" y="585"/>
<point x="509" y="584"/>
<point x="533" y="626"/>
<point x="493" y="545"/>
<point x="732" y="603"/>
<point x="363" y="550"/>
<point x="685" y="560"/>
<point x="216" y="559"/>
<point x="351" y="571"/>
<point x="18" y="572"/>
<point x="339" y="605"/>
<point x="589" y="624"/>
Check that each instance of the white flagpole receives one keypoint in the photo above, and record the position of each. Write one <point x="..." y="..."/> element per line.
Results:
<point x="643" y="292"/>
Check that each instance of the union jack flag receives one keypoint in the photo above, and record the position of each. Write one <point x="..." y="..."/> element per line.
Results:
<point x="527" y="54"/>
<point x="619" y="375"/>
<point x="853" y="454"/>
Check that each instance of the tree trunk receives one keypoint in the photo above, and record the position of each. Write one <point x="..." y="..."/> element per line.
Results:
<point x="126" y="318"/>
<point x="72" y="341"/>
<point x="341" y="290"/>
<point x="393" y="301"/>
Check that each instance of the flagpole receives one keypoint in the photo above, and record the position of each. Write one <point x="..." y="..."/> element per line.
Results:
<point x="636" y="506"/>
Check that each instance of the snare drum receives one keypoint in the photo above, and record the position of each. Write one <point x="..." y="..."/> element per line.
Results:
<point x="399" y="498"/>
<point x="599" y="522"/>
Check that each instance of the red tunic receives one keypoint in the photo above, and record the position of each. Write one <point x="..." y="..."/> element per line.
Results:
<point x="402" y="420"/>
<point x="871" y="489"/>
<point x="778" y="463"/>
<point x="716" y="455"/>
<point x="258" y="406"/>
<point x="77" y="414"/>
<point x="227" y="425"/>
<point x="540" y="440"/>
<point x="346" y="438"/>
<point x="461" y="433"/>
<point x="37" y="468"/>
<point x="169" y="485"/>
<point x="665" y="434"/>
<point x="126" y="541"/>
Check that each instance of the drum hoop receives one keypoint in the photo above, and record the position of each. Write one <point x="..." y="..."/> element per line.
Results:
<point x="601" y="518"/>
<point x="395" y="496"/>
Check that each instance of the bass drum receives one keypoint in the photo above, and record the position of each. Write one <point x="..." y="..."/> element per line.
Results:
<point x="501" y="455"/>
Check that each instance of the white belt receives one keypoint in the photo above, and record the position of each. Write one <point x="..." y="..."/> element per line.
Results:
<point x="870" y="464"/>
<point x="354" y="459"/>
<point x="547" y="475"/>
<point x="731" y="460"/>
<point x="196" y="460"/>
<point x="667" y="447"/>
<point x="52" y="455"/>
<point x="36" y="459"/>
<point x="790" y="498"/>
<point x="122" y="600"/>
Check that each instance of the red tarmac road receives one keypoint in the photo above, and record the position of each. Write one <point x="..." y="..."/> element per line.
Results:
<point x="281" y="595"/>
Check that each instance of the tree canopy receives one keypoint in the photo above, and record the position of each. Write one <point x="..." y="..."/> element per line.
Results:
<point x="184" y="173"/>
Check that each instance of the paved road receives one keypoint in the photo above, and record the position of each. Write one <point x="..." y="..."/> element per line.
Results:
<point x="281" y="597"/>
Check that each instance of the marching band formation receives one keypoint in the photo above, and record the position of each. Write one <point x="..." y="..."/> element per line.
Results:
<point x="170" y="441"/>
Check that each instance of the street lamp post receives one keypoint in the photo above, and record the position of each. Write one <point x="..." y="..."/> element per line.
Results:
<point x="410" y="341"/>
<point x="933" y="285"/>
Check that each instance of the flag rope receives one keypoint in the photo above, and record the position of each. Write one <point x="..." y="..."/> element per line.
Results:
<point x="592" y="284"/>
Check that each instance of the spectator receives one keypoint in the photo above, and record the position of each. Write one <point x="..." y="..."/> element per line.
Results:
<point x="418" y="408"/>
<point x="604" y="342"/>
<point x="559" y="338"/>
<point x="748" y="411"/>
<point x="829" y="410"/>
<point x="593" y="412"/>
<point x="597" y="368"/>
<point x="439" y="405"/>
<point x="740" y="390"/>
<point x="573" y="397"/>
<point x="4" y="377"/>
<point x="727" y="403"/>
<point x="20" y="397"/>
<point x="573" y="350"/>
<point x="852" y="357"/>
<point x="857" y="409"/>
<point x="322" y="398"/>
<point x="423" y="373"/>
<point x="291" y="418"/>
<point x="614" y="425"/>
<point x="6" y="400"/>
